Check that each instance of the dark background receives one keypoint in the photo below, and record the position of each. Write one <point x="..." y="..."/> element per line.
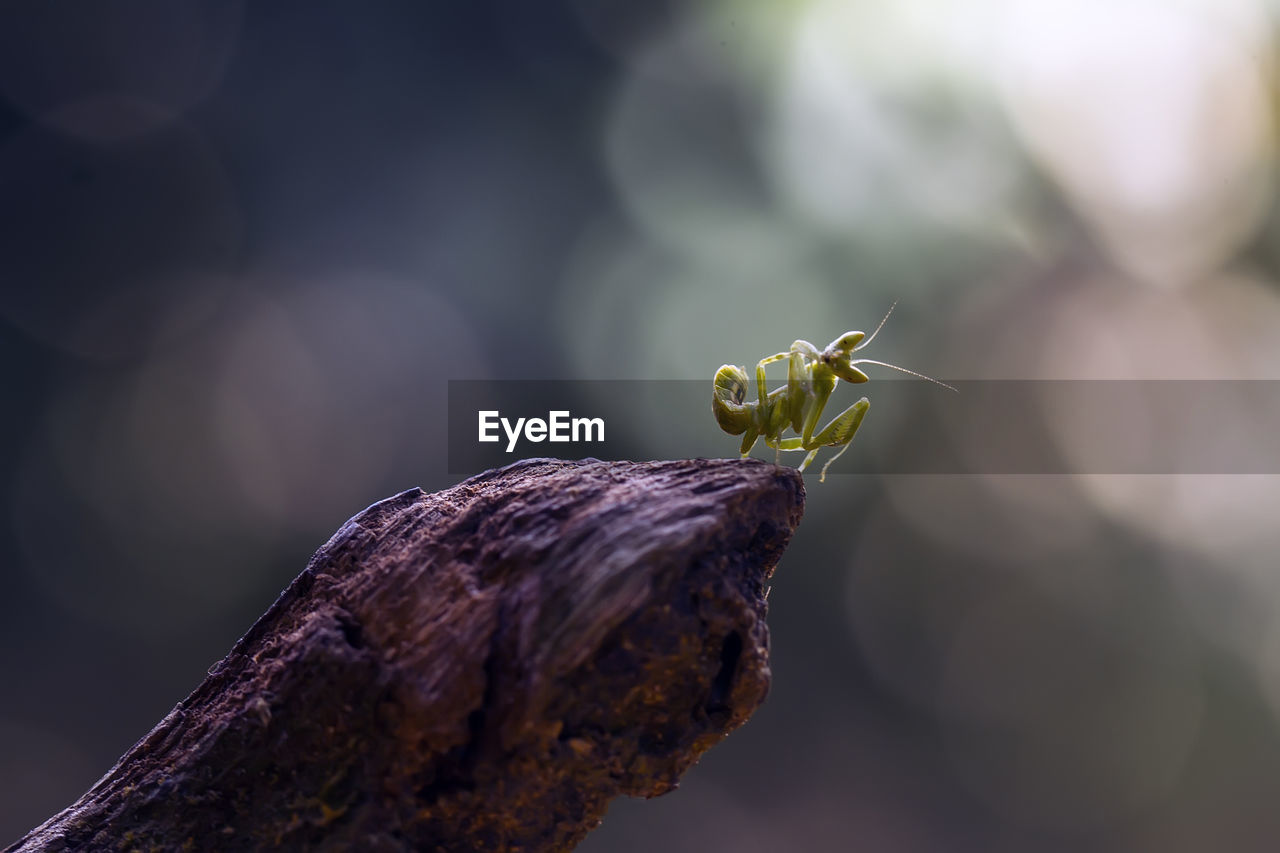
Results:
<point x="243" y="248"/>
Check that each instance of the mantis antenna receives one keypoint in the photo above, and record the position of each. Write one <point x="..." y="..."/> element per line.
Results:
<point x="904" y="370"/>
<point x="887" y="364"/>
<point x="884" y="320"/>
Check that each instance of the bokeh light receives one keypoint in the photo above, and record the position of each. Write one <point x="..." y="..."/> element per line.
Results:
<point x="108" y="74"/>
<point x="1155" y="118"/>
<point x="97" y="233"/>
<point x="234" y="437"/>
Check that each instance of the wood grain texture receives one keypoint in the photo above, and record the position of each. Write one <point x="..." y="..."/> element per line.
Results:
<point x="483" y="668"/>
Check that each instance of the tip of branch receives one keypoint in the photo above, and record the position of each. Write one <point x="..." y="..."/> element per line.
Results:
<point x="480" y="668"/>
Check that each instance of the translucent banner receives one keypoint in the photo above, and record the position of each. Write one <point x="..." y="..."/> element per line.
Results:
<point x="912" y="427"/>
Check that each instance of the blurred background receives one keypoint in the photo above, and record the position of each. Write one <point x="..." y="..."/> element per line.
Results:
<point x="244" y="246"/>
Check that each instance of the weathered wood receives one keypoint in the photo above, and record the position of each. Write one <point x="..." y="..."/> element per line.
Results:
<point x="483" y="668"/>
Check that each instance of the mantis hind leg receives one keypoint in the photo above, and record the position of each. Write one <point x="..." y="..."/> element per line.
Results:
<point x="798" y="444"/>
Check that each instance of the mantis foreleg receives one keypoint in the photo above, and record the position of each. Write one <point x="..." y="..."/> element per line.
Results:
<point x="762" y="382"/>
<point x="838" y="433"/>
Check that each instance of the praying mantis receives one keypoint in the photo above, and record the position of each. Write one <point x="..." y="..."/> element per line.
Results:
<point x="812" y="376"/>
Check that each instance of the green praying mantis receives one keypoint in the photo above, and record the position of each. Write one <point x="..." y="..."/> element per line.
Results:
<point x="812" y="376"/>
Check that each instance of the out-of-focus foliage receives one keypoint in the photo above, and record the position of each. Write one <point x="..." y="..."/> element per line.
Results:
<point x="234" y="237"/>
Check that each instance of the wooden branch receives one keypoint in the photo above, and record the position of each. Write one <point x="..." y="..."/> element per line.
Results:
<point x="483" y="668"/>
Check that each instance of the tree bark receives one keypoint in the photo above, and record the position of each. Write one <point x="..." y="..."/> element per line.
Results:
<point x="479" y="669"/>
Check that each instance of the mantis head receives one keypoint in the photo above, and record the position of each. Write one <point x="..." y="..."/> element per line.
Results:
<point x="839" y="356"/>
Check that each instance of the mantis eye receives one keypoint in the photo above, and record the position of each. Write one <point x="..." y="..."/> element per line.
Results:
<point x="849" y="341"/>
<point x="848" y="372"/>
